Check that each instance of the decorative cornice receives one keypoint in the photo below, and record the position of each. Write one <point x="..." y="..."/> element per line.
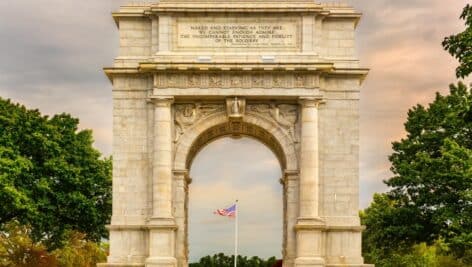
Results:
<point x="112" y="71"/>
<point x="325" y="68"/>
<point x="329" y="228"/>
<point x="354" y="72"/>
<point x="162" y="101"/>
<point x="163" y="227"/>
<point x="140" y="227"/>
<point x="232" y="6"/>
<point x="242" y="66"/>
<point x="276" y="81"/>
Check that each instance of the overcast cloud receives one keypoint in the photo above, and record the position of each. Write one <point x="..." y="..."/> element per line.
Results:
<point x="52" y="54"/>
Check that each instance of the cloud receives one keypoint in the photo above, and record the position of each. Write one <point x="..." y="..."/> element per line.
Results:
<point x="401" y="42"/>
<point x="235" y="163"/>
<point x="52" y="59"/>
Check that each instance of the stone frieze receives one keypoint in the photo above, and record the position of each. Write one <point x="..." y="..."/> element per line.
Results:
<point x="220" y="80"/>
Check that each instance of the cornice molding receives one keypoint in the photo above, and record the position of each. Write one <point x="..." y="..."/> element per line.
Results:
<point x="323" y="69"/>
<point x="232" y="6"/>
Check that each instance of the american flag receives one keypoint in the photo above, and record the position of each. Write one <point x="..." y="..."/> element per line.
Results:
<point x="229" y="212"/>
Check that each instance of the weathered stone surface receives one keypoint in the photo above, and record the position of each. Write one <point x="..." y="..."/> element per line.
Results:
<point x="281" y="71"/>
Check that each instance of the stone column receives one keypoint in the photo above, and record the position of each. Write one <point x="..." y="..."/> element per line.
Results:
<point x="290" y="182"/>
<point x="309" y="225"/>
<point x="181" y="182"/>
<point x="161" y="224"/>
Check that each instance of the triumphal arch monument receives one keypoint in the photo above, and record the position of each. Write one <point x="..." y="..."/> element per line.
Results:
<point x="284" y="72"/>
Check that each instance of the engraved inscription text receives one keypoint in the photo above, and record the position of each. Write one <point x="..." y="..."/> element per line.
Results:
<point x="238" y="33"/>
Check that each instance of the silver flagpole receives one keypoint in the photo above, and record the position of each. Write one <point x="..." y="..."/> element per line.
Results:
<point x="236" y="235"/>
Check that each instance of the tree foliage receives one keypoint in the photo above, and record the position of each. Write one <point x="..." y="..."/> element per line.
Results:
<point x="18" y="249"/>
<point x="78" y="251"/>
<point x="51" y="177"/>
<point x="431" y="190"/>
<point x="420" y="255"/>
<point x="221" y="260"/>
<point x="460" y="45"/>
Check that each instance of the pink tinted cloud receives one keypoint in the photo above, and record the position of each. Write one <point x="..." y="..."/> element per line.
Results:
<point x="401" y="42"/>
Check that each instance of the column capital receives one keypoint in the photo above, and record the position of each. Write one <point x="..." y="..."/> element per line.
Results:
<point x="312" y="101"/>
<point x="162" y="101"/>
<point x="182" y="175"/>
<point x="289" y="175"/>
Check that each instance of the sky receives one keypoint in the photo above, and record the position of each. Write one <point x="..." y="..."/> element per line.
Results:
<point x="52" y="53"/>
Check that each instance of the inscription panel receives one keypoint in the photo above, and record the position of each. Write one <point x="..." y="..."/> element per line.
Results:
<point x="197" y="33"/>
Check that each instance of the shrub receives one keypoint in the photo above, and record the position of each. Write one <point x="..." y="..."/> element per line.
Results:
<point x="19" y="250"/>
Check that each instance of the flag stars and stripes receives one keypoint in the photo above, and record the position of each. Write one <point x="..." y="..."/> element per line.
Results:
<point x="228" y="212"/>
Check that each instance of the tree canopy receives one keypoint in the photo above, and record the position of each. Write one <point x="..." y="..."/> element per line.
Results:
<point x="426" y="217"/>
<point x="460" y="45"/>
<point x="51" y="177"/>
<point x="222" y="260"/>
<point x="431" y="190"/>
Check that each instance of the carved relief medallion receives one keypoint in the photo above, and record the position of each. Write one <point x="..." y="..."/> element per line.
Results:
<point x="172" y="80"/>
<point x="285" y="115"/>
<point x="236" y="81"/>
<point x="257" y="80"/>
<point x="186" y="115"/>
<point x="215" y="80"/>
<point x="300" y="80"/>
<point x="193" y="80"/>
<point x="277" y="81"/>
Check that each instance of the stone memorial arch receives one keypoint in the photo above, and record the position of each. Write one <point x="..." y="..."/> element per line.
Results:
<point x="281" y="71"/>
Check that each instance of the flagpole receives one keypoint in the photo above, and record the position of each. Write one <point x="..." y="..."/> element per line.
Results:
<point x="236" y="235"/>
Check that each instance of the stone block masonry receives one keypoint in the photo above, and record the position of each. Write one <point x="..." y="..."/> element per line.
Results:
<point x="283" y="72"/>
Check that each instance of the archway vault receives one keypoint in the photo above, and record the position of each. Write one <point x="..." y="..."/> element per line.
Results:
<point x="276" y="125"/>
<point x="263" y="128"/>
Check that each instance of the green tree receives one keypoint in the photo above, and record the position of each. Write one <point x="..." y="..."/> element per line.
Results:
<point x="460" y="45"/>
<point x="78" y="251"/>
<point x="222" y="260"/>
<point x="431" y="190"/>
<point x="51" y="177"/>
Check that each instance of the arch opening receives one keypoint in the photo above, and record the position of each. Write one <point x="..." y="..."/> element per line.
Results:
<point x="236" y="131"/>
<point x="268" y="134"/>
<point x="235" y="168"/>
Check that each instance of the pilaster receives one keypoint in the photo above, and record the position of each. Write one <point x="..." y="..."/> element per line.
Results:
<point x="290" y="183"/>
<point x="180" y="203"/>
<point x="162" y="225"/>
<point x="310" y="249"/>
